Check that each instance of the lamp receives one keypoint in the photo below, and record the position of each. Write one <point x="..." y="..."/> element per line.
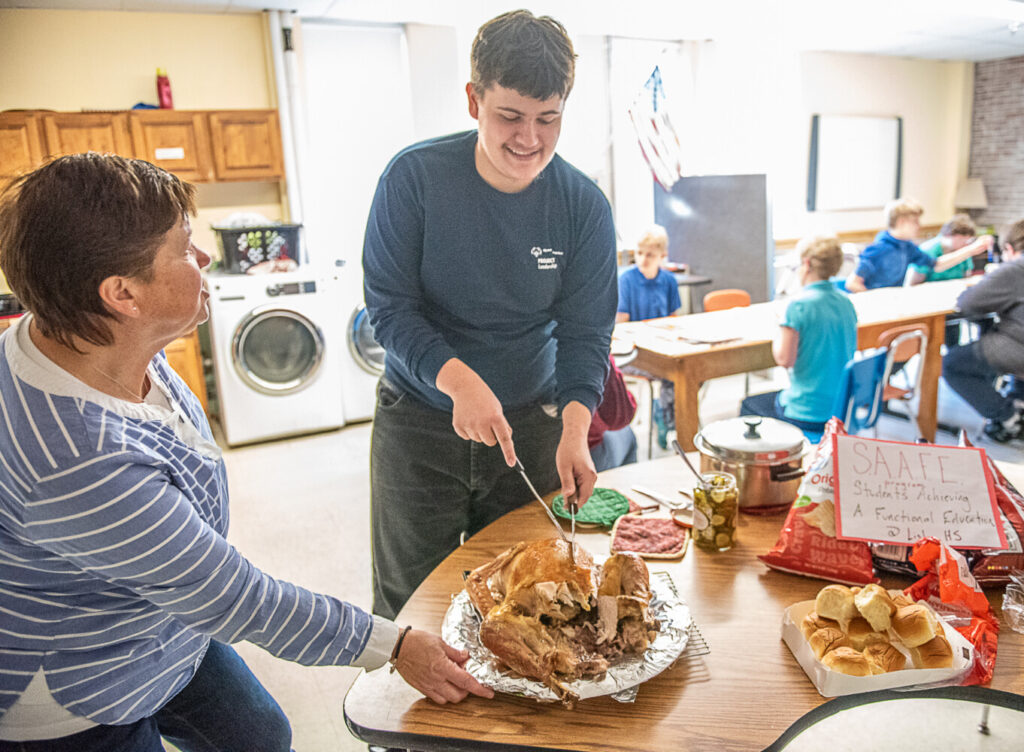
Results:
<point x="970" y="194"/>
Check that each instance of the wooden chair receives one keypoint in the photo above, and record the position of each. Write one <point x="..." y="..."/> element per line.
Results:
<point x="723" y="300"/>
<point x="903" y="343"/>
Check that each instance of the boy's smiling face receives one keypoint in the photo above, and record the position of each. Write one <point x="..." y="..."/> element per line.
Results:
<point x="516" y="137"/>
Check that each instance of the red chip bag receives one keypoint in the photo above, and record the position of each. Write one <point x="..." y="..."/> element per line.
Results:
<point x="993" y="566"/>
<point x="951" y="590"/>
<point x="807" y="544"/>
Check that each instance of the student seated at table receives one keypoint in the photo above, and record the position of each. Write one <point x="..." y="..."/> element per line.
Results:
<point x="610" y="438"/>
<point x="958" y="233"/>
<point x="972" y="370"/>
<point x="884" y="263"/>
<point x="646" y="291"/>
<point x="817" y="336"/>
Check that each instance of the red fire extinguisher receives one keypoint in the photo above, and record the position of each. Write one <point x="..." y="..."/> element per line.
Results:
<point x="163" y="90"/>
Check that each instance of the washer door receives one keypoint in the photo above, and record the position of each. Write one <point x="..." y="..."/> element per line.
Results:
<point x="277" y="351"/>
<point x="364" y="348"/>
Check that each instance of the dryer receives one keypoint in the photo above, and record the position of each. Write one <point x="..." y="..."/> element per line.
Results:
<point x="278" y="344"/>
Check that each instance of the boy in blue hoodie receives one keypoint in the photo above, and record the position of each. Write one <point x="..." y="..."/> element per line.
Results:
<point x="884" y="263"/>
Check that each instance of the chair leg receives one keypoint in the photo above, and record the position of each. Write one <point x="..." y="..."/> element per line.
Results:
<point x="650" y="420"/>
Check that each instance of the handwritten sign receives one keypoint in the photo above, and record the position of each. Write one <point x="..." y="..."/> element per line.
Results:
<point x="892" y="492"/>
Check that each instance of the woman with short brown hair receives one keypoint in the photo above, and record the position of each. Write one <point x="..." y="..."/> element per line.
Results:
<point x="120" y="594"/>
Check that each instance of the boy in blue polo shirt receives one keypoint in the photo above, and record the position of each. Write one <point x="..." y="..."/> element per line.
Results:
<point x="817" y="337"/>
<point x="646" y="291"/>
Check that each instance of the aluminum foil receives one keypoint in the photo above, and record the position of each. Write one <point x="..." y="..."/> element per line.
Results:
<point x="461" y="629"/>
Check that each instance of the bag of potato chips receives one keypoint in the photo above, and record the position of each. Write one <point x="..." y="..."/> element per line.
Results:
<point x="807" y="544"/>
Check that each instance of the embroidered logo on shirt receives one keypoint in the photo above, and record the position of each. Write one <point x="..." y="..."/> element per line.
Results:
<point x="545" y="257"/>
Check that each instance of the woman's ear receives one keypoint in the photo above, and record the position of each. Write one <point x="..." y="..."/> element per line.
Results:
<point x="118" y="296"/>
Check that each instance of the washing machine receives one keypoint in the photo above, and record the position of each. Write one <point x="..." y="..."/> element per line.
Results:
<point x="278" y="344"/>
<point x="363" y="368"/>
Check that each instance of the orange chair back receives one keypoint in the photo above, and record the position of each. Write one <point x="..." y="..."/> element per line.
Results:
<point x="720" y="300"/>
<point x="909" y="347"/>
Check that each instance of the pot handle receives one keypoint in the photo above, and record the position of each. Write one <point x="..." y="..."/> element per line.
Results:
<point x="784" y="472"/>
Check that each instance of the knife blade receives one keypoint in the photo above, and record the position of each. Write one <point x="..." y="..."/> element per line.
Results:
<point x="572" y="504"/>
<point x="665" y="501"/>
<point x="551" y="516"/>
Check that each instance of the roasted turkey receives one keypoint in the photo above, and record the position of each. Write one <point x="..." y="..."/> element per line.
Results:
<point x="554" y="620"/>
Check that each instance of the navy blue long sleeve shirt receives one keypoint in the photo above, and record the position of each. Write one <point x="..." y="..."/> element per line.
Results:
<point x="519" y="286"/>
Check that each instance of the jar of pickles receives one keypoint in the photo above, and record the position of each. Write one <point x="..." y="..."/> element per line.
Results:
<point x="714" y="512"/>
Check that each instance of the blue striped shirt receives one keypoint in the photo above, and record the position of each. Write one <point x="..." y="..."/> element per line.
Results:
<point x="114" y="569"/>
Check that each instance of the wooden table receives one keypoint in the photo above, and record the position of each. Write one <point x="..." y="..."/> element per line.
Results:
<point x="667" y="348"/>
<point x="741" y="696"/>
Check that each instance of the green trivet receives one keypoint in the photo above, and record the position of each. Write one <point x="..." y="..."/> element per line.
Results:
<point x="603" y="508"/>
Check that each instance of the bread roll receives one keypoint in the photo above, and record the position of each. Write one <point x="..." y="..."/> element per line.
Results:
<point x="826" y="639"/>
<point x="813" y="622"/>
<point x="915" y="625"/>
<point x="936" y="653"/>
<point x="860" y="634"/>
<point x="847" y="661"/>
<point x="836" y="602"/>
<point x="901" y="599"/>
<point x="875" y="605"/>
<point x="883" y="658"/>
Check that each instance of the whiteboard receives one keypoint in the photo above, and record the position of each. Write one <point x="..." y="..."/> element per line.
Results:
<point x="854" y="162"/>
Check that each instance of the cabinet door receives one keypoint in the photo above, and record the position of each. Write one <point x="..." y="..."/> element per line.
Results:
<point x="76" y="132"/>
<point x="246" y="145"/>
<point x="21" y="143"/>
<point x="174" y="140"/>
<point x="185" y="357"/>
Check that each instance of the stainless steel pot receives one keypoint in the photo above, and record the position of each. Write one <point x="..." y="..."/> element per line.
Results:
<point x="764" y="454"/>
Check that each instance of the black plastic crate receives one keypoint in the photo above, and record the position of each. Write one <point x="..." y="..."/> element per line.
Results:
<point x="243" y="247"/>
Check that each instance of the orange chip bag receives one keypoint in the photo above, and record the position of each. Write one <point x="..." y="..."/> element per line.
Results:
<point x="807" y="544"/>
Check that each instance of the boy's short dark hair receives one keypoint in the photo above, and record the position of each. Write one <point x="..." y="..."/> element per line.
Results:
<point x="959" y="224"/>
<point x="1014" y="235"/>
<point x="76" y="221"/>
<point x="523" y="52"/>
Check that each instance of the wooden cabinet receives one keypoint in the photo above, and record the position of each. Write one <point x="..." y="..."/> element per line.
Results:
<point x="75" y="132"/>
<point x="246" y="145"/>
<point x="185" y="357"/>
<point x="176" y="141"/>
<point x="21" y="143"/>
<point x="197" y="145"/>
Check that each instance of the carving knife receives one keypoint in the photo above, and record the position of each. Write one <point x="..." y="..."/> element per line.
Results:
<point x="572" y="504"/>
<point x="522" y="472"/>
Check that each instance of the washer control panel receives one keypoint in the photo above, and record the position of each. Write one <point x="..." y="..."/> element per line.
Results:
<point x="291" y="288"/>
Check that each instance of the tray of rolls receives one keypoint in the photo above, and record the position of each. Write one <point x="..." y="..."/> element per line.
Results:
<point x="851" y="640"/>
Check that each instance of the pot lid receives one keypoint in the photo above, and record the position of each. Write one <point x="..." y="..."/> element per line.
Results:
<point x="752" y="439"/>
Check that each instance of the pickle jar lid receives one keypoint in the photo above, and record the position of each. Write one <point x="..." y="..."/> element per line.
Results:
<point x="751" y="439"/>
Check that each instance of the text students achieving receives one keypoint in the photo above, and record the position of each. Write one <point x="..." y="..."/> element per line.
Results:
<point x="119" y="594"/>
<point x="490" y="280"/>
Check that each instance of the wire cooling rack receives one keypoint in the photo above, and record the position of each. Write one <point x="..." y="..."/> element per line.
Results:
<point x="696" y="645"/>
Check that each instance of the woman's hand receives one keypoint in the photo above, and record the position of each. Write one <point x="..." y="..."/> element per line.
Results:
<point x="476" y="413"/>
<point x="435" y="668"/>
<point x="575" y="467"/>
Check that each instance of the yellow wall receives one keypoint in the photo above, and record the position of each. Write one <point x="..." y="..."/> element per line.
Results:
<point x="72" y="60"/>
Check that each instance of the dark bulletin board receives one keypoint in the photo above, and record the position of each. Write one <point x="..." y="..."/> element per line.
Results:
<point x="720" y="225"/>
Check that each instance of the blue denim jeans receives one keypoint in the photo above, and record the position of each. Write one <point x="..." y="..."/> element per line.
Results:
<point x="968" y="374"/>
<point x="428" y="486"/>
<point x="223" y="709"/>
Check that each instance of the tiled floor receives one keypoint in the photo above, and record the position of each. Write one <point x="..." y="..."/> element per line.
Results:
<point x="300" y="512"/>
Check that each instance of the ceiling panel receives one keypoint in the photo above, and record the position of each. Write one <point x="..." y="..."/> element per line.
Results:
<point x="937" y="29"/>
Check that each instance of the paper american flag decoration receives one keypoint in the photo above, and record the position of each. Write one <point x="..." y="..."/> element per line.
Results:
<point x="655" y="134"/>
